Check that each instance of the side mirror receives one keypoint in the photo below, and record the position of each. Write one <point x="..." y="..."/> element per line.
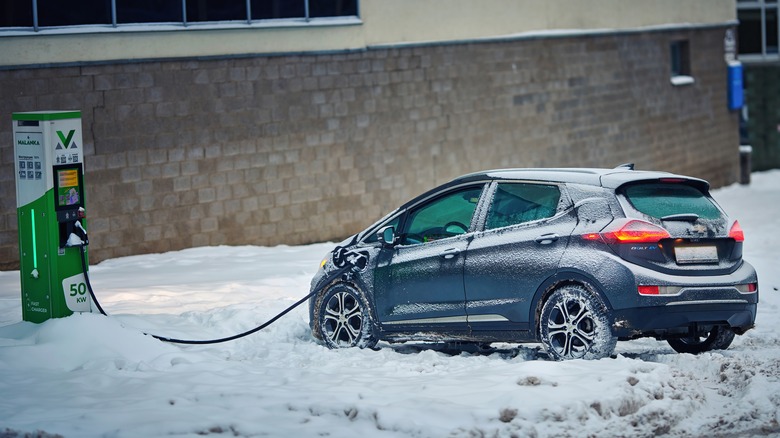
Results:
<point x="386" y="236"/>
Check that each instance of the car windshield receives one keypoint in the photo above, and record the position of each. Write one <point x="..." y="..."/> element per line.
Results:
<point x="667" y="199"/>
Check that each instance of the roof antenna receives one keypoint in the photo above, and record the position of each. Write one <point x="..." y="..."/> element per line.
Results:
<point x="629" y="166"/>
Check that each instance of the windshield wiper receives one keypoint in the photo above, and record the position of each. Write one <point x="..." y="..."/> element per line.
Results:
<point x="682" y="217"/>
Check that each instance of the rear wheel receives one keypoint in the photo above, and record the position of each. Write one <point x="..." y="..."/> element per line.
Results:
<point x="344" y="319"/>
<point x="575" y="324"/>
<point x="719" y="338"/>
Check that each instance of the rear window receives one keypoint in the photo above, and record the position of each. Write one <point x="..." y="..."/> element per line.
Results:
<point x="665" y="199"/>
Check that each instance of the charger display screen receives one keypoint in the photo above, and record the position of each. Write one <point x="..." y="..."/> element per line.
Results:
<point x="68" y="187"/>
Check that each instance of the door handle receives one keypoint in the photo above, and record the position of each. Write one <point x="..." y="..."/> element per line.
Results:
<point x="449" y="253"/>
<point x="546" y="239"/>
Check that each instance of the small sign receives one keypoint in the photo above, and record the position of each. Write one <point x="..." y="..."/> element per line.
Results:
<point x="729" y="46"/>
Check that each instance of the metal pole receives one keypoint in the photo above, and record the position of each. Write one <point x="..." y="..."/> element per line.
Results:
<point x="35" y="15"/>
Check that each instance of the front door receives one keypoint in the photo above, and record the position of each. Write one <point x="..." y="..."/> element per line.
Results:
<point x="419" y="284"/>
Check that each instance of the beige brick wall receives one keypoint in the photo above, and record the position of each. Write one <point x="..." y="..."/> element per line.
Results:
<point x="296" y="149"/>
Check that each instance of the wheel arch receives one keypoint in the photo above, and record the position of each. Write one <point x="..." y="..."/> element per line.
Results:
<point x="359" y="289"/>
<point x="562" y="278"/>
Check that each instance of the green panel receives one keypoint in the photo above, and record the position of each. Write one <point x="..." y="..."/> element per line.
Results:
<point x="35" y="261"/>
<point x="47" y="116"/>
<point x="43" y="295"/>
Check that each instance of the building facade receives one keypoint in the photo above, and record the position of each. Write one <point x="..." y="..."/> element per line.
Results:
<point x="288" y="130"/>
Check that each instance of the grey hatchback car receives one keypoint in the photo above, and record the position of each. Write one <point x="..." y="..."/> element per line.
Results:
<point x="576" y="259"/>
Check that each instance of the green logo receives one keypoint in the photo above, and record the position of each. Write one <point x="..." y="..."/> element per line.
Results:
<point x="66" y="140"/>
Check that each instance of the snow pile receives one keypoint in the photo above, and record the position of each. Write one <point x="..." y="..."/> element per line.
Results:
<point x="90" y="376"/>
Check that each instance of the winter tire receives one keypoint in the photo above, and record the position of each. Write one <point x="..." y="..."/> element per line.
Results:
<point x="344" y="319"/>
<point x="719" y="338"/>
<point x="575" y="324"/>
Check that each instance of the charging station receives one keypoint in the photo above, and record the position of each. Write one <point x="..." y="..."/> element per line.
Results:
<point x="50" y="209"/>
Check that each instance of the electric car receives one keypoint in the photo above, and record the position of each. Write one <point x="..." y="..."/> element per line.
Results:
<point x="575" y="259"/>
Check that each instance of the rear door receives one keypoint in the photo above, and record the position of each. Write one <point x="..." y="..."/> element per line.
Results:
<point x="526" y="230"/>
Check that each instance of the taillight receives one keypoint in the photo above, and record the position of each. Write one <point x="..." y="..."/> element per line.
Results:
<point x="629" y="231"/>
<point x="736" y="232"/>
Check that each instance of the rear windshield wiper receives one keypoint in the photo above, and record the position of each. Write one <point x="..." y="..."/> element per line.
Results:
<point x="682" y="217"/>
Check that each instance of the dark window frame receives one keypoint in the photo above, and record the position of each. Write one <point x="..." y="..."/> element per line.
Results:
<point x="759" y="39"/>
<point x="680" y="54"/>
<point x="176" y="12"/>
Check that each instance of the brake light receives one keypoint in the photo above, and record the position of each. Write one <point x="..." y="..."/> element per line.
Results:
<point x="736" y="232"/>
<point x="630" y="231"/>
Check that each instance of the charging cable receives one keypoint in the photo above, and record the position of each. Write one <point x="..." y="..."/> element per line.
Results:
<point x="324" y="281"/>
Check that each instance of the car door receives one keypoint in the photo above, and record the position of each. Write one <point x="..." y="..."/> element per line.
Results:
<point x="418" y="282"/>
<point x="526" y="230"/>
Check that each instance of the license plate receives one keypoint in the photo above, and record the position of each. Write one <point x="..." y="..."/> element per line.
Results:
<point x="696" y="254"/>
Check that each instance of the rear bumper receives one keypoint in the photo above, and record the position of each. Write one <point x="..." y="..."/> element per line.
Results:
<point x="676" y="319"/>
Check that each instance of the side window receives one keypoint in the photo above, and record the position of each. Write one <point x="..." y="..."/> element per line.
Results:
<point x="446" y="216"/>
<point x="516" y="203"/>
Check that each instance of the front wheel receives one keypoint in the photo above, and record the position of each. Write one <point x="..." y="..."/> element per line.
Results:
<point x="719" y="338"/>
<point x="344" y="319"/>
<point x="575" y="324"/>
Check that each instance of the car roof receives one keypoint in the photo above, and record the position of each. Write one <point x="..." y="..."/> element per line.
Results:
<point x="608" y="178"/>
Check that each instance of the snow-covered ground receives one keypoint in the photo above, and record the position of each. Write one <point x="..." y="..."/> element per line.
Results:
<point x="89" y="375"/>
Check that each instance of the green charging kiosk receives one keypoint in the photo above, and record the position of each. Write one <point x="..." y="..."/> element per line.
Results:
<point x="48" y="158"/>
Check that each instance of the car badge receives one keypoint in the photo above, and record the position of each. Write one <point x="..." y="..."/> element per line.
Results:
<point x="699" y="229"/>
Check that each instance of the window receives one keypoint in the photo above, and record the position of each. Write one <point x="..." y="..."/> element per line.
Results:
<point x="758" y="28"/>
<point x="332" y="8"/>
<point x="16" y="14"/>
<point x="446" y="216"/>
<point x="750" y="31"/>
<point x="274" y="9"/>
<point x="61" y="13"/>
<point x="664" y="199"/>
<point x="770" y="31"/>
<point x="35" y="14"/>
<point x="681" y="58"/>
<point x="148" y="11"/>
<point x="517" y="203"/>
<point x="216" y="10"/>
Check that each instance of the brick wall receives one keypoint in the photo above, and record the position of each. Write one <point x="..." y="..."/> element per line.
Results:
<point x="305" y="148"/>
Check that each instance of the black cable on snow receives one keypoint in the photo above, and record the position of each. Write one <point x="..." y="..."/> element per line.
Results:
<point x="323" y="282"/>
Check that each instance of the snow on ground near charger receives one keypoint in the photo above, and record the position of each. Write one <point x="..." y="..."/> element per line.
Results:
<point x="88" y="375"/>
